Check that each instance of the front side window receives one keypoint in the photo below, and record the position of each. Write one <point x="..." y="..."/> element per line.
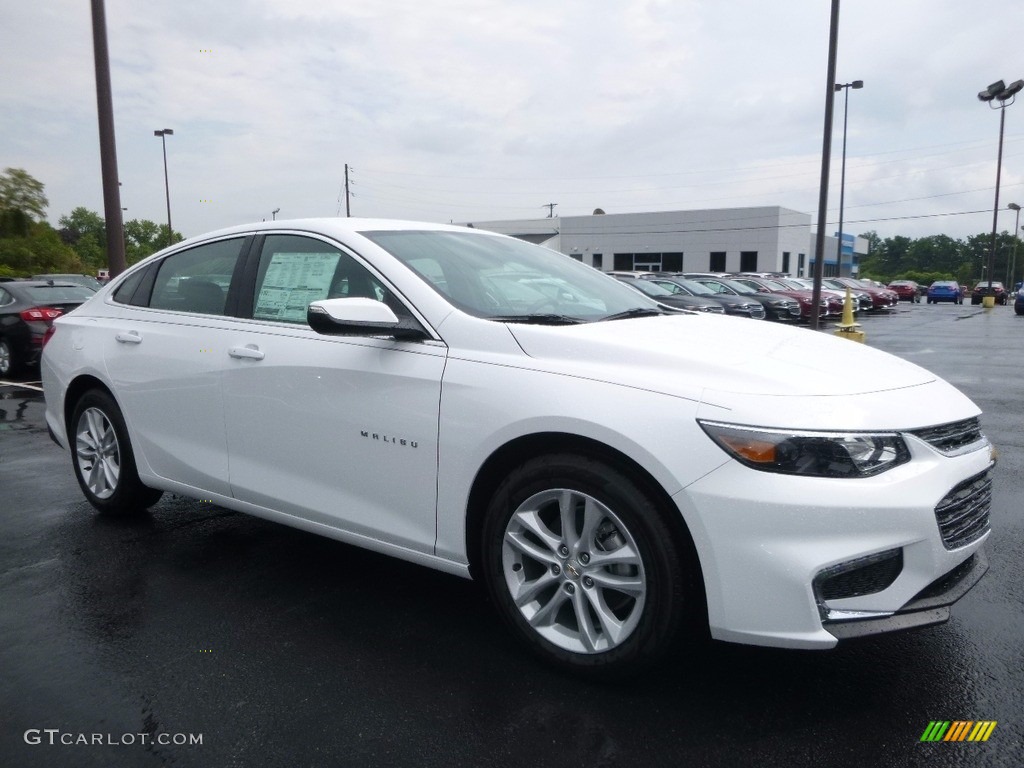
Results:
<point x="197" y="280"/>
<point x="295" y="271"/>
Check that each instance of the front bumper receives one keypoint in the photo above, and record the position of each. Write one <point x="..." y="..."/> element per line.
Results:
<point x="765" y="540"/>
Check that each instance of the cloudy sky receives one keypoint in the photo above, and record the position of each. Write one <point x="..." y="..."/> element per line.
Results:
<point x="461" y="110"/>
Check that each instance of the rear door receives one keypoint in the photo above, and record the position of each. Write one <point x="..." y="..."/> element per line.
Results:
<point x="166" y="354"/>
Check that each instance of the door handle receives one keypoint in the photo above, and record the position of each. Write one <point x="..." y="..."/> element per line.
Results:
<point x="129" y="337"/>
<point x="248" y="352"/>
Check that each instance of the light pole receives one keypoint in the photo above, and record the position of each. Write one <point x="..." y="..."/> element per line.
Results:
<point x="167" y="187"/>
<point x="856" y="84"/>
<point x="1005" y="95"/>
<point x="274" y="213"/>
<point x="1016" y="236"/>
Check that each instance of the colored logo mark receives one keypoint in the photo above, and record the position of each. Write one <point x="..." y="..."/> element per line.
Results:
<point x="958" y="730"/>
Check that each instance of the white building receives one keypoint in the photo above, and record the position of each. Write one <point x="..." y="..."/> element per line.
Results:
<point x="761" y="239"/>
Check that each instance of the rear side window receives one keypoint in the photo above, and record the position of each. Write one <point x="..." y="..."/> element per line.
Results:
<point x="125" y="291"/>
<point x="197" y="280"/>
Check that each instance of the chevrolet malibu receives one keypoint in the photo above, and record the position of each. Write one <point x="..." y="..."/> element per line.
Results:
<point x="615" y="474"/>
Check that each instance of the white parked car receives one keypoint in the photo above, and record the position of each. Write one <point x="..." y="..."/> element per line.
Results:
<point x="613" y="472"/>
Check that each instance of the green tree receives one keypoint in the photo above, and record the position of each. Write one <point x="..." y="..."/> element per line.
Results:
<point x="39" y="251"/>
<point x="19" y="191"/>
<point x="143" y="237"/>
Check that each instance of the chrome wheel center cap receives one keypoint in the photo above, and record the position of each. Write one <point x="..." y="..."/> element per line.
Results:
<point x="573" y="569"/>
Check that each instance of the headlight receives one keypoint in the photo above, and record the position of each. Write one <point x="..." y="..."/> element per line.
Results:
<point x="814" y="454"/>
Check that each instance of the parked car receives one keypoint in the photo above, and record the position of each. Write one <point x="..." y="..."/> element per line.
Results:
<point x="945" y="290"/>
<point x="672" y="299"/>
<point x="777" y="307"/>
<point x="864" y="301"/>
<point x="983" y="289"/>
<point x="1018" y="302"/>
<point x="829" y="305"/>
<point x="612" y="471"/>
<point x="740" y="306"/>
<point x="27" y="310"/>
<point x="881" y="297"/>
<point x="88" y="281"/>
<point x="906" y="290"/>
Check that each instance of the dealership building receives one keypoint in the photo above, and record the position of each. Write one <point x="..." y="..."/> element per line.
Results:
<point x="761" y="239"/>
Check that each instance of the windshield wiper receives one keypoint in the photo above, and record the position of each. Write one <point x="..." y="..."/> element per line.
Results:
<point x="537" y="319"/>
<point x="635" y="312"/>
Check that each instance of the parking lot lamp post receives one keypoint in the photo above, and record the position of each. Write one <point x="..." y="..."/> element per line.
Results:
<point x="163" y="134"/>
<point x="273" y="214"/>
<point x="998" y="96"/>
<point x="1016" y="237"/>
<point x="856" y="84"/>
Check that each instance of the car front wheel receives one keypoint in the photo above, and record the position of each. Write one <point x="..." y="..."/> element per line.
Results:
<point x="102" y="456"/>
<point x="584" y="566"/>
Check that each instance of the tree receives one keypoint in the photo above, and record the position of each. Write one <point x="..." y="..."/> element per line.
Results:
<point x="19" y="191"/>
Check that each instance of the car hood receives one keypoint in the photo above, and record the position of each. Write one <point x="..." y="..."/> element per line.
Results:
<point x="735" y="365"/>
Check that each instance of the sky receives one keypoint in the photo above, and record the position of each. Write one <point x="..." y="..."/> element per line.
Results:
<point x="474" y="110"/>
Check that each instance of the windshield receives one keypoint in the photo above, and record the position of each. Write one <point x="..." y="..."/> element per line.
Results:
<point x="501" y="278"/>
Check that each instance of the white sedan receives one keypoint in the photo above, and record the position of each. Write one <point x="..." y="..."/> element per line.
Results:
<point x="613" y="473"/>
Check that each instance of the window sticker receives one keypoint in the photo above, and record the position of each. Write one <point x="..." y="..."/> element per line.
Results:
<point x="292" y="281"/>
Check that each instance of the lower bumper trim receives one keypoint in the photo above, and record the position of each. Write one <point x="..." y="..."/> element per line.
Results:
<point x="930" y="606"/>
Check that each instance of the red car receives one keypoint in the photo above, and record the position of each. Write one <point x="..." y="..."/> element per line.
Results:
<point x="881" y="298"/>
<point x="907" y="290"/>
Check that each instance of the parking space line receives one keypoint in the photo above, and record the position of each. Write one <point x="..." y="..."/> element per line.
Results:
<point x="20" y="385"/>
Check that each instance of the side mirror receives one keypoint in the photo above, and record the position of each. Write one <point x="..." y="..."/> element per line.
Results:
<point x="360" y="317"/>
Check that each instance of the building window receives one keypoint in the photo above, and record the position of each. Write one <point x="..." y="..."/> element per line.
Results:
<point x="672" y="262"/>
<point x="577" y="256"/>
<point x="717" y="261"/>
<point x="623" y="262"/>
<point x="785" y="262"/>
<point x="800" y="264"/>
<point x="598" y="261"/>
<point x="748" y="261"/>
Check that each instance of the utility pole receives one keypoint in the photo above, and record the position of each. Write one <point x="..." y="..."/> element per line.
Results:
<point x="108" y="145"/>
<point x="348" y="210"/>
<point x="551" y="209"/>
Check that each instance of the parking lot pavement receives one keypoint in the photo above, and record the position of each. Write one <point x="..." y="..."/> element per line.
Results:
<point x="278" y="648"/>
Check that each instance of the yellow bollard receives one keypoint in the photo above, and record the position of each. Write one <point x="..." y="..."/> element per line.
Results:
<point x="988" y="302"/>
<point x="848" y="328"/>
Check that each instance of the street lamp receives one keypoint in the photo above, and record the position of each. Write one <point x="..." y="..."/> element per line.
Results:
<point x="1016" y="236"/>
<point x="845" y="87"/>
<point x="1005" y="95"/>
<point x="167" y="188"/>
<point x="274" y="213"/>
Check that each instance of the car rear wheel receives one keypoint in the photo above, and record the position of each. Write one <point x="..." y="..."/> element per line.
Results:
<point x="584" y="567"/>
<point x="7" y="366"/>
<point x="102" y="456"/>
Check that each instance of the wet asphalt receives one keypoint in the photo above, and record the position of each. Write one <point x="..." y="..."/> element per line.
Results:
<point x="274" y="647"/>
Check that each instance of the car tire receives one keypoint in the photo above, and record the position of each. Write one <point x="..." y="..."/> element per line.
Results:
<point x="8" y="364"/>
<point x="585" y="568"/>
<point x="103" y="459"/>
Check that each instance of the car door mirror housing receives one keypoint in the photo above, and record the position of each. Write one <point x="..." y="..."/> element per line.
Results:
<point x="360" y="317"/>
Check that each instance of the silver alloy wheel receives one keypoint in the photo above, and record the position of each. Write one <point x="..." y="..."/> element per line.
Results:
<point x="99" y="455"/>
<point x="5" y="358"/>
<point x="574" y="571"/>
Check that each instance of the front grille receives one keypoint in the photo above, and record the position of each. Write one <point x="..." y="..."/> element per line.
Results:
<point x="950" y="438"/>
<point x="963" y="514"/>
<point x="757" y="311"/>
